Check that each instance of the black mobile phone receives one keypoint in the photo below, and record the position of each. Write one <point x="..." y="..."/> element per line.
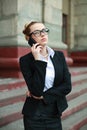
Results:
<point x="31" y="41"/>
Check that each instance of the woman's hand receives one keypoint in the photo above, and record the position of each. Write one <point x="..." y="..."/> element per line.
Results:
<point x="35" y="49"/>
<point x="28" y="94"/>
<point x="41" y="97"/>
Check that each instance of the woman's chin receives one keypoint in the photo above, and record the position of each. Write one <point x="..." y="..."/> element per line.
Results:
<point x="44" y="43"/>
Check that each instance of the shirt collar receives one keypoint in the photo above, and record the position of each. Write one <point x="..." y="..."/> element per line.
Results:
<point x="50" y="51"/>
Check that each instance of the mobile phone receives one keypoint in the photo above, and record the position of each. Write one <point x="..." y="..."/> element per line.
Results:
<point x="31" y="41"/>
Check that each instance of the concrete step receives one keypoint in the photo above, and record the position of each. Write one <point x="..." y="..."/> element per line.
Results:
<point x="77" y="90"/>
<point x="18" y="94"/>
<point x="79" y="58"/>
<point x="12" y="93"/>
<point x="77" y="71"/>
<point x="16" y="125"/>
<point x="12" y="84"/>
<point x="12" y="100"/>
<point x="13" y="97"/>
<point x="10" y="109"/>
<point x="9" y="80"/>
<point x="79" y="77"/>
<point x="76" y="105"/>
<point x="5" y="92"/>
<point x="84" y="126"/>
<point x="74" y="120"/>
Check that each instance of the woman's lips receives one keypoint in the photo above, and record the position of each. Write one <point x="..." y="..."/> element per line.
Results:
<point x="43" y="39"/>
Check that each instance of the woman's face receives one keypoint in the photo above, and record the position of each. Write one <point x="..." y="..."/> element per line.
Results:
<point x="39" y="33"/>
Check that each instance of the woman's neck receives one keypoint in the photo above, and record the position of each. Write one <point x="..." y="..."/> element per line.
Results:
<point x="44" y="51"/>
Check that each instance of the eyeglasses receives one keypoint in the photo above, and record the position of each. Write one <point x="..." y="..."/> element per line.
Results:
<point x="38" y="33"/>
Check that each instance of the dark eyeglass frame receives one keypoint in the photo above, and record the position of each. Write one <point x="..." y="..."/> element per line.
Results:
<point x="37" y="33"/>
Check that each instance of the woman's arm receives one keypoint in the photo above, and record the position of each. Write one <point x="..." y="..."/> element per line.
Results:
<point x="35" y="79"/>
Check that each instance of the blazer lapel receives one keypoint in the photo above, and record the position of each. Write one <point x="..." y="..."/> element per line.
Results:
<point x="58" y="66"/>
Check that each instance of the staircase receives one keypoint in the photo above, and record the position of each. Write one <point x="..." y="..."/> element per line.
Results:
<point x="79" y="58"/>
<point x="12" y="96"/>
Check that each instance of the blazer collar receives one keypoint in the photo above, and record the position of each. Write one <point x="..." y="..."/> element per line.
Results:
<point x="50" y="51"/>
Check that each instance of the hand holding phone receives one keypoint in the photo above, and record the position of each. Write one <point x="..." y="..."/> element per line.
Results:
<point x="31" y="41"/>
<point x="35" y="49"/>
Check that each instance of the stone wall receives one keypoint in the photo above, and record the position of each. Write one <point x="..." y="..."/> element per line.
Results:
<point x="53" y="19"/>
<point x="13" y="16"/>
<point x="28" y="10"/>
<point x="80" y="25"/>
<point x="15" y="13"/>
<point x="8" y="22"/>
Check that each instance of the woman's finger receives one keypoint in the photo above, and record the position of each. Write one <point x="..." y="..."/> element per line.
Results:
<point x="28" y="94"/>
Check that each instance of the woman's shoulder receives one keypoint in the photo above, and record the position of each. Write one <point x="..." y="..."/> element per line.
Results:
<point x="27" y="57"/>
<point x="59" y="53"/>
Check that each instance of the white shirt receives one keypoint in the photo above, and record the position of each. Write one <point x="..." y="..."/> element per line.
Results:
<point x="50" y="72"/>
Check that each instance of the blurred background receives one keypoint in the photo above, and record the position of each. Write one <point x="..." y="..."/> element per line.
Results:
<point x="67" y="21"/>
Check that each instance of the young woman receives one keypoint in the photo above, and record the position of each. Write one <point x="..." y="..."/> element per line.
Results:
<point x="48" y="80"/>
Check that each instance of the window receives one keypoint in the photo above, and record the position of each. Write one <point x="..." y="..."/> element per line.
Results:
<point x="64" y="28"/>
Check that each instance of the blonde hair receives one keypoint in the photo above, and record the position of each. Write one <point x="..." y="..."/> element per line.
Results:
<point x="27" y="26"/>
<point x="27" y="30"/>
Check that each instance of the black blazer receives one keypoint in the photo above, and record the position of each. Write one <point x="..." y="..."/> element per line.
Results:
<point x="34" y="74"/>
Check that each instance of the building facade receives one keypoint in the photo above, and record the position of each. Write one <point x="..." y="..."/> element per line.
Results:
<point x="66" y="20"/>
